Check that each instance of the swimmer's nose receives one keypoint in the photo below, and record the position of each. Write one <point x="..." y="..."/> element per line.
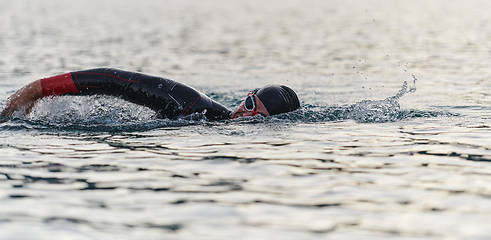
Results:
<point x="239" y="111"/>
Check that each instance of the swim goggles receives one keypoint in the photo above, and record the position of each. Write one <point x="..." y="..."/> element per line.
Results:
<point x="250" y="102"/>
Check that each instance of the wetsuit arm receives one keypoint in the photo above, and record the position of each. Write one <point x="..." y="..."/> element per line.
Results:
<point x="24" y="99"/>
<point x="168" y="98"/>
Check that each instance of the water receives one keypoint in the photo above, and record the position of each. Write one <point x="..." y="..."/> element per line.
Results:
<point x="367" y="156"/>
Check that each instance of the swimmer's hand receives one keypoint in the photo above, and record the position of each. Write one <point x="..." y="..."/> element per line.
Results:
<point x="23" y="100"/>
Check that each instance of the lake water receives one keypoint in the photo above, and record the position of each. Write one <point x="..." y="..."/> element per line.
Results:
<point x="358" y="161"/>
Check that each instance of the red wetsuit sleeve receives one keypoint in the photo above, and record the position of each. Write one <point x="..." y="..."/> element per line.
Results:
<point x="58" y="85"/>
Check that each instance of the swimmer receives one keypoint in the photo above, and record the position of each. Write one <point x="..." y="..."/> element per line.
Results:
<point x="169" y="99"/>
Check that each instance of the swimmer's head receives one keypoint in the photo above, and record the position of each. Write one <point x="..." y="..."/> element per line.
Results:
<point x="267" y="101"/>
<point x="278" y="99"/>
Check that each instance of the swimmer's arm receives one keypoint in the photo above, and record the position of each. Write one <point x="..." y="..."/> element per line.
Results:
<point x="23" y="100"/>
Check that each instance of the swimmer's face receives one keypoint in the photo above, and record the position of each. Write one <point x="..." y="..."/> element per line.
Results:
<point x="241" y="111"/>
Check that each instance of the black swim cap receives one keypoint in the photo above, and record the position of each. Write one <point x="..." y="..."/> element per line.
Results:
<point x="278" y="99"/>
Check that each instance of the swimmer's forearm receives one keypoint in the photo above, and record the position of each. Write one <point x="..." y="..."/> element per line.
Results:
<point x="23" y="100"/>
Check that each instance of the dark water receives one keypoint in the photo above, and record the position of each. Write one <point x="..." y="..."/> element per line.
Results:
<point x="392" y="142"/>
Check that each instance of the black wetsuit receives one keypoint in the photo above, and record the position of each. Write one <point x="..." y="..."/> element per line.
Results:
<point x="168" y="98"/>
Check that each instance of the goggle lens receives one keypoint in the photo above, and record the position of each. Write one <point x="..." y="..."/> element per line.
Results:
<point x="250" y="103"/>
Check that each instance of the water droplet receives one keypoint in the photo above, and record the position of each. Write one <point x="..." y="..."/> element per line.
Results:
<point x="160" y="86"/>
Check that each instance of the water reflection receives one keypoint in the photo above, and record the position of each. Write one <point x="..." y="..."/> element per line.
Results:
<point x="346" y="166"/>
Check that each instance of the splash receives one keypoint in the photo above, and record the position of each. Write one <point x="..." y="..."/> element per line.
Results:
<point x="366" y="111"/>
<point x="106" y="113"/>
<point x="379" y="110"/>
<point x="92" y="113"/>
<point x="95" y="109"/>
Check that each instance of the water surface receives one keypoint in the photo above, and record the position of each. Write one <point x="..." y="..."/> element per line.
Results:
<point x="366" y="157"/>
